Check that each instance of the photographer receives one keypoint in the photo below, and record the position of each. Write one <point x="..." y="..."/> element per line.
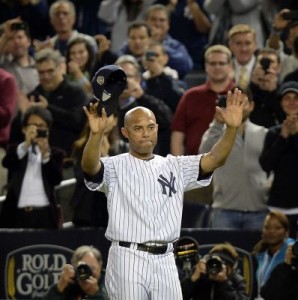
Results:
<point x="34" y="169"/>
<point x="215" y="277"/>
<point x="264" y="86"/>
<point x="81" y="279"/>
<point x="282" y="283"/>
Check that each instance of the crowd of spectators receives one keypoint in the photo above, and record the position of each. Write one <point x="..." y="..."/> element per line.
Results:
<point x="50" y="51"/>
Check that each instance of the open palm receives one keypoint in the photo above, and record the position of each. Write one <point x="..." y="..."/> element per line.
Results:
<point x="233" y="112"/>
<point x="97" y="123"/>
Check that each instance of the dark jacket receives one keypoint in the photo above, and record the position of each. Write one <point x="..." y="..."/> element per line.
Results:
<point x="66" y="105"/>
<point x="280" y="156"/>
<point x="166" y="88"/>
<point x="73" y="292"/>
<point x="51" y="176"/>
<point x="267" y="111"/>
<point x="282" y="284"/>
<point x="233" y="289"/>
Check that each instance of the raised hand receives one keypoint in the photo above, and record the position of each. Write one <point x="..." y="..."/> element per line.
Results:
<point x="97" y="123"/>
<point x="233" y="112"/>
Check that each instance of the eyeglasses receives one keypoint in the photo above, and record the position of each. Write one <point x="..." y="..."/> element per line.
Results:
<point x="217" y="63"/>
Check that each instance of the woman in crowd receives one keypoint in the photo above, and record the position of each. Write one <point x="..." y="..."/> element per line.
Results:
<point x="80" y="60"/>
<point x="271" y="249"/>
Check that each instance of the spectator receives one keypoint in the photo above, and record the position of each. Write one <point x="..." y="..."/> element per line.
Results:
<point x="270" y="250"/>
<point x="242" y="42"/>
<point x="63" y="17"/>
<point x="240" y="186"/>
<point x="63" y="98"/>
<point x="138" y="41"/>
<point x="282" y="282"/>
<point x="15" y="57"/>
<point x="34" y="168"/>
<point x="157" y="17"/>
<point x="196" y="108"/>
<point x="76" y="284"/>
<point x="279" y="156"/>
<point x="284" y="39"/>
<point x="134" y="95"/>
<point x="89" y="208"/>
<point x="34" y="12"/>
<point x="160" y="80"/>
<point x="190" y="24"/>
<point x="232" y="13"/>
<point x="87" y="21"/>
<point x="8" y="103"/>
<point x="216" y="284"/>
<point x="119" y="14"/>
<point x="80" y="60"/>
<point x="264" y="86"/>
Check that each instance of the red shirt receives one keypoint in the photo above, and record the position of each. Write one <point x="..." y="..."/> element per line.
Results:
<point x="8" y="104"/>
<point x="194" y="113"/>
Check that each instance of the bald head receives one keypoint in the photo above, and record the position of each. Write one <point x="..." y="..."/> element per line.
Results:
<point x="136" y="113"/>
<point x="140" y="129"/>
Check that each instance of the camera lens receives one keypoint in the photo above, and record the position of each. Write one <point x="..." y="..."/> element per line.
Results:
<point x="213" y="265"/>
<point x="83" y="272"/>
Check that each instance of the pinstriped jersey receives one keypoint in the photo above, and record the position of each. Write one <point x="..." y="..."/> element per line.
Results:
<point x="145" y="197"/>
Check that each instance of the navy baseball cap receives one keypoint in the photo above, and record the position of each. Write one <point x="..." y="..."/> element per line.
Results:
<point x="108" y="84"/>
<point x="286" y="87"/>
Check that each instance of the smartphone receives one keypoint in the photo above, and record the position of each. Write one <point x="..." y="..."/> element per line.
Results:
<point x="265" y="63"/>
<point x="150" y="55"/>
<point x="35" y="95"/>
<point x="221" y="100"/>
<point x="42" y="133"/>
<point x="18" y="26"/>
<point x="291" y="15"/>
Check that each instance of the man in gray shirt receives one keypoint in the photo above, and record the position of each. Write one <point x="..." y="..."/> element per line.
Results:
<point x="240" y="186"/>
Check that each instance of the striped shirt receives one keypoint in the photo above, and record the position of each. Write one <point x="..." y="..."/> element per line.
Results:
<point x="145" y="197"/>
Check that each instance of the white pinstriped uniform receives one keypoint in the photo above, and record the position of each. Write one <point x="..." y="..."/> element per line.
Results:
<point x="145" y="200"/>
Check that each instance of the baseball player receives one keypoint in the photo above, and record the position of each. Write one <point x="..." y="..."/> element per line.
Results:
<point x="145" y="198"/>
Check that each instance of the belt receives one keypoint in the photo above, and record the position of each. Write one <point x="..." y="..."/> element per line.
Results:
<point x="33" y="208"/>
<point x="153" y="249"/>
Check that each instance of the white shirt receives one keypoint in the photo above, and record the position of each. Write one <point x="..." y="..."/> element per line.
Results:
<point x="32" y="191"/>
<point x="145" y="198"/>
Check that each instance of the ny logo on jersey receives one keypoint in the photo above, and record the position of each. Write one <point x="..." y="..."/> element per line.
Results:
<point x="167" y="183"/>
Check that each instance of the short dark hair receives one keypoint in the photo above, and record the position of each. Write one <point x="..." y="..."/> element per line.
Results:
<point x="42" y="112"/>
<point x="139" y="24"/>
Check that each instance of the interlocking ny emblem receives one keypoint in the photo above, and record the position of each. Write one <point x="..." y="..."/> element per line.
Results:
<point x="167" y="183"/>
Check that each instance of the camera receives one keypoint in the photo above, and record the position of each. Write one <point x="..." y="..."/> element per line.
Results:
<point x="18" y="26"/>
<point x="150" y="55"/>
<point x="42" y="133"/>
<point x="214" y="264"/>
<point x="265" y="63"/>
<point x="83" y="272"/>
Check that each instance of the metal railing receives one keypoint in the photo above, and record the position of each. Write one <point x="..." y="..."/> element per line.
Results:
<point x="63" y="184"/>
